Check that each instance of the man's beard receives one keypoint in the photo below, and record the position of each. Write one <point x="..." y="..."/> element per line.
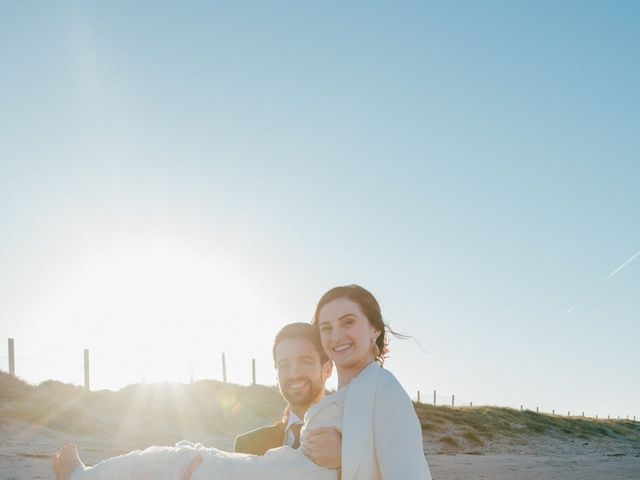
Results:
<point x="303" y="396"/>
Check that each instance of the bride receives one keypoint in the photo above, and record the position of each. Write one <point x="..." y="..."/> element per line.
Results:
<point x="381" y="435"/>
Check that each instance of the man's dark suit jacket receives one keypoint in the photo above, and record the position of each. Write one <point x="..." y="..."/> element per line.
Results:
<point x="260" y="440"/>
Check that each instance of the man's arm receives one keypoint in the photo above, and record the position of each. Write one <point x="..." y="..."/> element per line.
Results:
<point x="240" y="444"/>
<point x="260" y="440"/>
<point x="324" y="447"/>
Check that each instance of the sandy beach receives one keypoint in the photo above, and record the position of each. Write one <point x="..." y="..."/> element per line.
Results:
<point x="459" y="443"/>
<point x="26" y="452"/>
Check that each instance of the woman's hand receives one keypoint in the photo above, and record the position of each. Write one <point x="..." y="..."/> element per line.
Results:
<point x="324" y="447"/>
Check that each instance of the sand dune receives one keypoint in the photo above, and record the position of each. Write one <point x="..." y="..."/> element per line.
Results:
<point x="461" y="443"/>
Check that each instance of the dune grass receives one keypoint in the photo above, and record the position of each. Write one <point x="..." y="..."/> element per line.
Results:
<point x="473" y="427"/>
<point x="165" y="412"/>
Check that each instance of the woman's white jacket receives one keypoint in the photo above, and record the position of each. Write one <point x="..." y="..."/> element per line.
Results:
<point x="381" y="434"/>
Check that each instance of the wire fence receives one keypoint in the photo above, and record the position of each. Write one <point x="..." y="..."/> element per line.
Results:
<point x="431" y="397"/>
<point x="438" y="399"/>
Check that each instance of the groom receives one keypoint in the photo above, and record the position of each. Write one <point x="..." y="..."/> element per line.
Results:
<point x="302" y="368"/>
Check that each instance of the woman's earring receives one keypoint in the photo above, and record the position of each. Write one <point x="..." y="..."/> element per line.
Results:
<point x="374" y="349"/>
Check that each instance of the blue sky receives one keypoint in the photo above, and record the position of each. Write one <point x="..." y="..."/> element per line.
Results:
<point x="188" y="178"/>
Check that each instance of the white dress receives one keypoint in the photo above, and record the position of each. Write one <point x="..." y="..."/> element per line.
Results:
<point x="169" y="463"/>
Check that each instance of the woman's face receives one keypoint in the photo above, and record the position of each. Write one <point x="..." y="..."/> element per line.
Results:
<point x="346" y="336"/>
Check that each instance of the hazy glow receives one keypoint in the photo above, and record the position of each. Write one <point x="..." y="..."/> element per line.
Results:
<point x="152" y="311"/>
<point x="180" y="182"/>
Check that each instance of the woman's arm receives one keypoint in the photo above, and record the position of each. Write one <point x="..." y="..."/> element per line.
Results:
<point x="398" y="435"/>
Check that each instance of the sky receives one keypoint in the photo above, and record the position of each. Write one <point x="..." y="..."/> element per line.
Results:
<point x="179" y="180"/>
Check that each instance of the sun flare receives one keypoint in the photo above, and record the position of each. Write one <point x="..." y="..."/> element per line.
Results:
<point x="150" y="312"/>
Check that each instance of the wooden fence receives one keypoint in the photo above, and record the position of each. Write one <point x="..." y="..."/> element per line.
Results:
<point x="12" y="368"/>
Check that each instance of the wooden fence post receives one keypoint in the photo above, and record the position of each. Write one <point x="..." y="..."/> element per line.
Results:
<point x="253" y="371"/>
<point x="86" y="369"/>
<point x="224" y="369"/>
<point x="12" y="360"/>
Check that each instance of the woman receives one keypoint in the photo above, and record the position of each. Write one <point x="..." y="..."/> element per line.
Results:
<point x="381" y="435"/>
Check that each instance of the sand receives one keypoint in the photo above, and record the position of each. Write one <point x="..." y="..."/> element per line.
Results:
<point x="26" y="451"/>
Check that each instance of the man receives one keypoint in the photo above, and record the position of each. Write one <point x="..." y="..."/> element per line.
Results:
<point x="302" y="368"/>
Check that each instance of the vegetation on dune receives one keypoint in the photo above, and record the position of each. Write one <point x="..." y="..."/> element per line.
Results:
<point x="162" y="410"/>
<point x="474" y="427"/>
<point x="165" y="412"/>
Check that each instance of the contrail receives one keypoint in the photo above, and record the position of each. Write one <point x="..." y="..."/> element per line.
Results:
<point x="620" y="267"/>
<point x="633" y="257"/>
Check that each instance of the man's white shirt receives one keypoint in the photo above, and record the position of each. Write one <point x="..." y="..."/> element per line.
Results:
<point x="289" y="436"/>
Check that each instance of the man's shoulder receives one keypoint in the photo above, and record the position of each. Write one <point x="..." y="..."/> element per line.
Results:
<point x="263" y="431"/>
<point x="258" y="441"/>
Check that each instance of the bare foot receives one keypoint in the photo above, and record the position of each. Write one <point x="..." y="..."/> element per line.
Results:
<point x="197" y="460"/>
<point x="65" y="462"/>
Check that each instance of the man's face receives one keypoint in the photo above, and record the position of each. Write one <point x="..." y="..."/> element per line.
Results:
<point x="301" y="376"/>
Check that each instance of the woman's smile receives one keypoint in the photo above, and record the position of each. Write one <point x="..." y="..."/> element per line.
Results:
<point x="342" y="348"/>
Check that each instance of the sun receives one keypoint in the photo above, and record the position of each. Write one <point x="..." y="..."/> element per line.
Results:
<point x="150" y="311"/>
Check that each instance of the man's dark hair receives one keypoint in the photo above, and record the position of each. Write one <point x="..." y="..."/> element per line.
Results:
<point x="300" y="330"/>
